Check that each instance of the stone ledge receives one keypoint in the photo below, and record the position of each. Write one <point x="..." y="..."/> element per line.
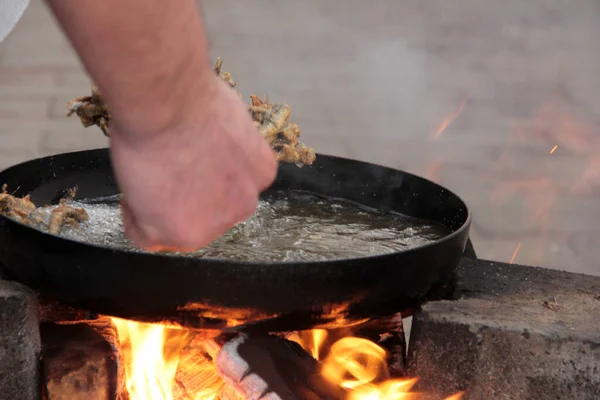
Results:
<point x="19" y="343"/>
<point x="512" y="332"/>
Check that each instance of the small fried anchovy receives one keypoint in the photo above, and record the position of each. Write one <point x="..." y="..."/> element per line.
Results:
<point x="25" y="211"/>
<point x="91" y="110"/>
<point x="14" y="207"/>
<point x="64" y="215"/>
<point x="69" y="194"/>
<point x="272" y="121"/>
<point x="226" y="76"/>
<point x="63" y="195"/>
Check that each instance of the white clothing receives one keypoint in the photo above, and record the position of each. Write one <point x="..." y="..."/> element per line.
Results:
<point x="11" y="12"/>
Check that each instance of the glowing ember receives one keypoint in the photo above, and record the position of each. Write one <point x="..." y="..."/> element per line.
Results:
<point x="153" y="358"/>
<point x="554" y="148"/>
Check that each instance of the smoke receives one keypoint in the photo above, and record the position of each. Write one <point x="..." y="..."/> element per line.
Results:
<point x="356" y="87"/>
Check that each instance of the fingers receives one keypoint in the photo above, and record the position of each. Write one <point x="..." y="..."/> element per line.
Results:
<point x="184" y="234"/>
<point x="139" y="236"/>
<point x="131" y="228"/>
<point x="267" y="169"/>
<point x="202" y="184"/>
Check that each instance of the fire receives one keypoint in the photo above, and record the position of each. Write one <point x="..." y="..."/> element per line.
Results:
<point x="360" y="366"/>
<point x="150" y="373"/>
<point x="151" y="357"/>
<point x="154" y="357"/>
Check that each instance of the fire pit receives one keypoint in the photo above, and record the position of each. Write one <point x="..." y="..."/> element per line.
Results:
<point x="496" y="331"/>
<point x="117" y="324"/>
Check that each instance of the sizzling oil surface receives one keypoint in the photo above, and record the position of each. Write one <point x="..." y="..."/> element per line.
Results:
<point x="286" y="227"/>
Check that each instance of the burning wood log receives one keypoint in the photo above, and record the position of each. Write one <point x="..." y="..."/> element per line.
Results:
<point x="270" y="367"/>
<point x="197" y="377"/>
<point x="386" y="332"/>
<point x="80" y="361"/>
<point x="193" y="365"/>
<point x="272" y="121"/>
<point x="239" y="366"/>
<point x="52" y="310"/>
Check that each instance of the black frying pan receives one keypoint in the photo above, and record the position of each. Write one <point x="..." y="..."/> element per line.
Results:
<point x="219" y="294"/>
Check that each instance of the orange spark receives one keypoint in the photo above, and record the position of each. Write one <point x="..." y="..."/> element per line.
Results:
<point x="554" y="148"/>
<point x="512" y="260"/>
<point x="448" y="120"/>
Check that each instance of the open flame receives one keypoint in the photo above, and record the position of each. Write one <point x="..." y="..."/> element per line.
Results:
<point x="150" y="358"/>
<point x="153" y="358"/>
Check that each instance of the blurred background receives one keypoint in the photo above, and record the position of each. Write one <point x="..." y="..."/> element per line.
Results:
<point x="499" y="101"/>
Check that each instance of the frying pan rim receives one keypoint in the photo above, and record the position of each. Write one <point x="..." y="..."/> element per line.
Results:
<point x="193" y="262"/>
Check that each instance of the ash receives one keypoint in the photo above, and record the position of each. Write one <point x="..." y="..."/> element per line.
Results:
<point x="286" y="227"/>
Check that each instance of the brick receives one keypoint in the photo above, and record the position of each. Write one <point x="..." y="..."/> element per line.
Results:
<point x="19" y="343"/>
<point x="513" y="332"/>
<point x="73" y="138"/>
<point x="75" y="79"/>
<point x="42" y="82"/>
<point x="26" y="81"/>
<point x="15" y="108"/>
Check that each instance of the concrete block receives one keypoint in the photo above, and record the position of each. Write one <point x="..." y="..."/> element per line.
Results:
<point x="19" y="343"/>
<point x="511" y="332"/>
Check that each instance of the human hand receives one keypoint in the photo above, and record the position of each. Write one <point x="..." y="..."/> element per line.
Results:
<point x="188" y="184"/>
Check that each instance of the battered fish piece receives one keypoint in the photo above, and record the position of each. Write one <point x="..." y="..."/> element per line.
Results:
<point x="271" y="119"/>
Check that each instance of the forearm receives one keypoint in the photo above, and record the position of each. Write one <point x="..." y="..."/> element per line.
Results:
<point x="148" y="57"/>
